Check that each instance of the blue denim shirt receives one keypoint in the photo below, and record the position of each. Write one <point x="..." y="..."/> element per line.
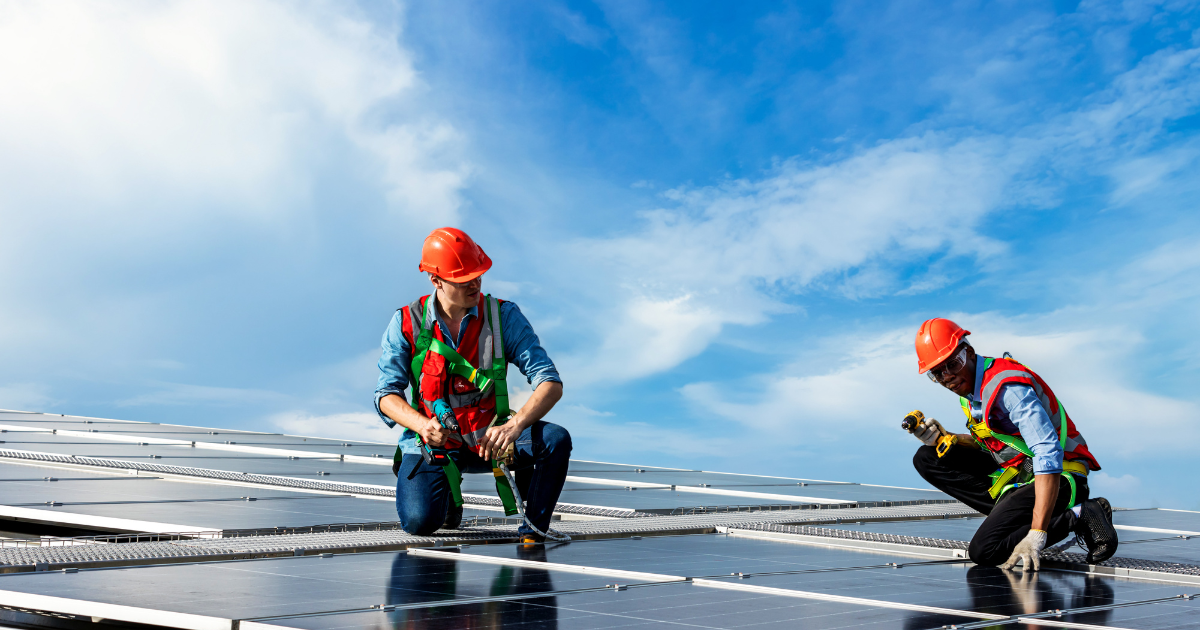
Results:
<point x="521" y="348"/>
<point x="1018" y="410"/>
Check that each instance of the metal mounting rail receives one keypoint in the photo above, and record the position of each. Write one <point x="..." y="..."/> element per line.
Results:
<point x="297" y="483"/>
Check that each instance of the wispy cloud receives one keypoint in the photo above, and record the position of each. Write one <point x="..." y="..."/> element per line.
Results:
<point x="732" y="254"/>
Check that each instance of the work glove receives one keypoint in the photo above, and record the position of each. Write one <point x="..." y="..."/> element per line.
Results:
<point x="1028" y="549"/>
<point x="929" y="432"/>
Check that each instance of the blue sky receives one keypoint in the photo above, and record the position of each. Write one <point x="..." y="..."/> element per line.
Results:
<point x="725" y="220"/>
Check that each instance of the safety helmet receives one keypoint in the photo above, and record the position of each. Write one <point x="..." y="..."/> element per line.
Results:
<point x="450" y="254"/>
<point x="936" y="341"/>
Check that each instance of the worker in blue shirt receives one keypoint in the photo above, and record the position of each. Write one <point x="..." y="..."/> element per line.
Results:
<point x="1023" y="463"/>
<point x="465" y="334"/>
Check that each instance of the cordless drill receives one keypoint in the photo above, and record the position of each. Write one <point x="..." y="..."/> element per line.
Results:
<point x="914" y="420"/>
<point x="438" y="456"/>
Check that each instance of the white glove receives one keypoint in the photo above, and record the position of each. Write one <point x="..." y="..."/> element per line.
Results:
<point x="1028" y="549"/>
<point x="929" y="432"/>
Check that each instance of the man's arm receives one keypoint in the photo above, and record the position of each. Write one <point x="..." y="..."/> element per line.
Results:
<point x="1033" y="422"/>
<point x="394" y="367"/>
<point x="539" y="404"/>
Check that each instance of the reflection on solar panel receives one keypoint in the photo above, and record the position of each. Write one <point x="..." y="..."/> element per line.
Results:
<point x="114" y="522"/>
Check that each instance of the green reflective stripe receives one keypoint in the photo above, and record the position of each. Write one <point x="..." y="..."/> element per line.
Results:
<point x="1014" y="442"/>
<point x="455" y="478"/>
<point x="1071" y="481"/>
<point x="499" y="373"/>
<point x="504" y="490"/>
<point x="457" y="365"/>
<point x="1062" y="431"/>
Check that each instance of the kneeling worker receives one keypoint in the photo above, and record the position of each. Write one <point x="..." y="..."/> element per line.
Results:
<point x="1023" y="464"/>
<point x="453" y="348"/>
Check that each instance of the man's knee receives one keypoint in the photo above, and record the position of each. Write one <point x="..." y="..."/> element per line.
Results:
<point x="422" y="520"/>
<point x="985" y="555"/>
<point x="556" y="438"/>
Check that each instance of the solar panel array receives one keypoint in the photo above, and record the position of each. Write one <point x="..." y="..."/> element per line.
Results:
<point x="117" y="522"/>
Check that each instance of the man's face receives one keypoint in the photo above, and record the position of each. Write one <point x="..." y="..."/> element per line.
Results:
<point x="957" y="372"/>
<point x="460" y="294"/>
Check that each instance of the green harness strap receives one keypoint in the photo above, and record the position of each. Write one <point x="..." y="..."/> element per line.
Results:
<point x="495" y="378"/>
<point x="499" y="378"/>
<point x="1001" y="478"/>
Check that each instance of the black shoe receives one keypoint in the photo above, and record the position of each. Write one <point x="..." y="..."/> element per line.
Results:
<point x="1096" y="529"/>
<point x="453" y="516"/>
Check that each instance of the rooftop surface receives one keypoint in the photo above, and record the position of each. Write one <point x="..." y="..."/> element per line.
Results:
<point x="107" y="522"/>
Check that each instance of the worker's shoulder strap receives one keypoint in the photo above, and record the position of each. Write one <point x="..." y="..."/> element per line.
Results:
<point x="420" y="328"/>
<point x="499" y="366"/>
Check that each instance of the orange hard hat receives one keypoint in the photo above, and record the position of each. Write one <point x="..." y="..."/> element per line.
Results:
<point x="450" y="254"/>
<point x="936" y="341"/>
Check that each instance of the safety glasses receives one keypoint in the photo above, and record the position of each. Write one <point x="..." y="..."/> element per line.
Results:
<point x="955" y="363"/>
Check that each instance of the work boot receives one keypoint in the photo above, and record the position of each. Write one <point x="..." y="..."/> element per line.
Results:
<point x="1095" y="528"/>
<point x="532" y="539"/>
<point x="453" y="516"/>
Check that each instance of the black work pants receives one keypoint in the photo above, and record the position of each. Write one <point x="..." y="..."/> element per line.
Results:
<point x="963" y="473"/>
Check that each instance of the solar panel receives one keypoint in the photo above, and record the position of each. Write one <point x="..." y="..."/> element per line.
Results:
<point x="654" y="547"/>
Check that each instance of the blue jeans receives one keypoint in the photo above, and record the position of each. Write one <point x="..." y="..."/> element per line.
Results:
<point x="543" y="451"/>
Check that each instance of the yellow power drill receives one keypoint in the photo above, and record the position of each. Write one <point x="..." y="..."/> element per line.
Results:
<point x="914" y="420"/>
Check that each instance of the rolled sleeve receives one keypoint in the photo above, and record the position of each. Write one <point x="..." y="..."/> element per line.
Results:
<point x="1033" y="421"/>
<point x="523" y="349"/>
<point x="394" y="365"/>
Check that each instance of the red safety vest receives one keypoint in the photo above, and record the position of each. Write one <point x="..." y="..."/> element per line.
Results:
<point x="473" y="408"/>
<point x="1001" y="372"/>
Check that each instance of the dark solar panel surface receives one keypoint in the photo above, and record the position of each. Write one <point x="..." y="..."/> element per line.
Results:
<point x="703" y="555"/>
<point x="313" y="586"/>
<point x="294" y="585"/>
<point x="665" y="606"/>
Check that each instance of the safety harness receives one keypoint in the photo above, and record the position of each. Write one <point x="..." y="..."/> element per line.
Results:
<point x="490" y="381"/>
<point x="1014" y="475"/>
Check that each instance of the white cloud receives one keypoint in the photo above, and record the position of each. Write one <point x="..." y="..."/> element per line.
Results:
<point x="1124" y="490"/>
<point x="721" y="255"/>
<point x="732" y="254"/>
<point x="25" y="396"/>
<point x="170" y="394"/>
<point x="863" y="396"/>
<point x="365" y="427"/>
<point x="159" y="156"/>
<point x="159" y="133"/>
<point x="224" y="101"/>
